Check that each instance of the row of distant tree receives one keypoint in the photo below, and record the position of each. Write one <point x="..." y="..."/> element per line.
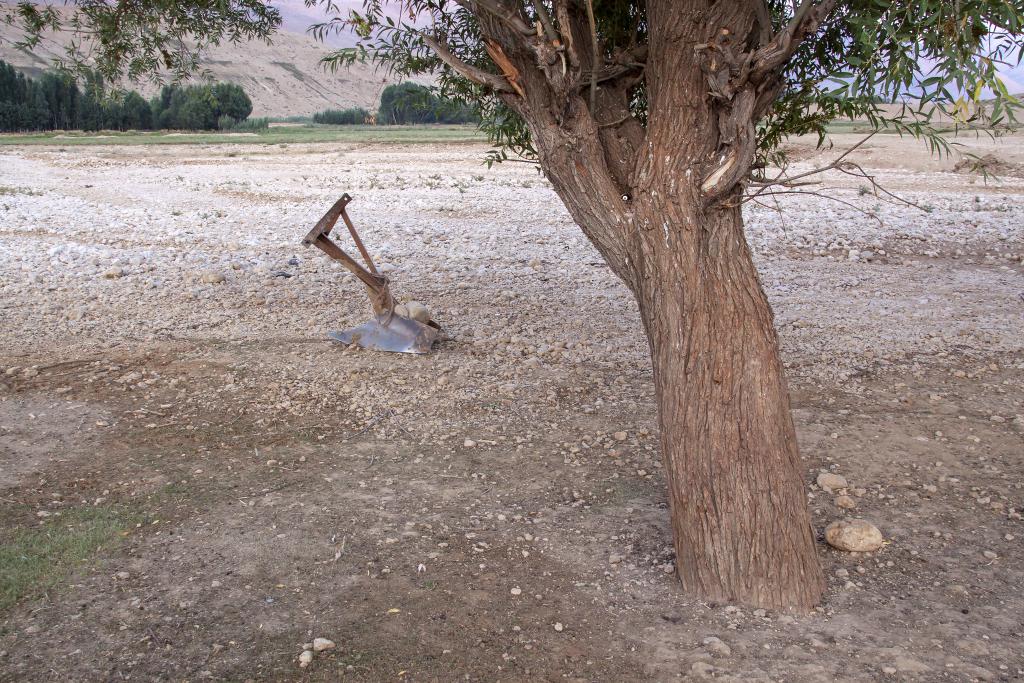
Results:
<point x="54" y="101"/>
<point x="402" y="103"/>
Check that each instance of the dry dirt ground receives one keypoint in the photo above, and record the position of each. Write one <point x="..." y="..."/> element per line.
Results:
<point x="469" y="515"/>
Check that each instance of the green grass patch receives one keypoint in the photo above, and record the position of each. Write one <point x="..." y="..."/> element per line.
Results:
<point x="34" y="560"/>
<point x="274" y="135"/>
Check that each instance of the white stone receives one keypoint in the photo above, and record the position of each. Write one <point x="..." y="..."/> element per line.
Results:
<point x="855" y="535"/>
<point x="322" y="644"/>
<point x="831" y="482"/>
<point x="418" y="312"/>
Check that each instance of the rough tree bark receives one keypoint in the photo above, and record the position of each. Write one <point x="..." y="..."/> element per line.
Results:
<point x="660" y="202"/>
<point x="741" y="528"/>
<point x="739" y="513"/>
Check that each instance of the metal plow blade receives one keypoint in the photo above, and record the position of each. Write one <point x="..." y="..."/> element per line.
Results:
<point x="393" y="333"/>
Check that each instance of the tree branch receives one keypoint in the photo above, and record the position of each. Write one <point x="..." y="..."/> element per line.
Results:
<point x="782" y="180"/>
<point x="565" y="24"/>
<point x="766" y="187"/>
<point x="478" y="76"/>
<point x="506" y="14"/>
<point x="596" y="47"/>
<point x="806" y="20"/>
<point x="545" y="20"/>
<point x="764" y="21"/>
<point x="739" y="139"/>
<point x="629" y="65"/>
<point x="822" y="195"/>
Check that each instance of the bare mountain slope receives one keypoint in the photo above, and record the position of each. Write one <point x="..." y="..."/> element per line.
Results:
<point x="284" y="78"/>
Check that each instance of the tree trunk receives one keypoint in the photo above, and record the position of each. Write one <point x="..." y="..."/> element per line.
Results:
<point x="740" y="522"/>
<point x="660" y="203"/>
<point x="741" y="527"/>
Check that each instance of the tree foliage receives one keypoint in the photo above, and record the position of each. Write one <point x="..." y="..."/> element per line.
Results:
<point x="906" y="66"/>
<point x="143" y="38"/>
<point x="343" y="117"/>
<point x="932" y="59"/>
<point x="201" y="107"/>
<point x="411" y="103"/>
<point x="56" y="102"/>
<point x="22" y="106"/>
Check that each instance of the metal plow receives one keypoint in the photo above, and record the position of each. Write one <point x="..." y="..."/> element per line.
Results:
<point x="388" y="330"/>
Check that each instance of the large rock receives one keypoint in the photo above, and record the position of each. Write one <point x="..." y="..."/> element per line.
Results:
<point x="855" y="535"/>
<point x="831" y="482"/>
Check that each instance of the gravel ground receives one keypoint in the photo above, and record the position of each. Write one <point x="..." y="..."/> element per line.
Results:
<point x="163" y="354"/>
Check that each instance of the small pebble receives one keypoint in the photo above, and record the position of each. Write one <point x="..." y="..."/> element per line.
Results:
<point x="210" y="277"/>
<point x="716" y="647"/>
<point x="845" y="502"/>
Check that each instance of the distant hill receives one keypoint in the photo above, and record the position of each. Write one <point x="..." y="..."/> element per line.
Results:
<point x="283" y="78"/>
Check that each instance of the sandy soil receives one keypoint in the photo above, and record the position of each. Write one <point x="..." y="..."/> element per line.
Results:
<point x="469" y="515"/>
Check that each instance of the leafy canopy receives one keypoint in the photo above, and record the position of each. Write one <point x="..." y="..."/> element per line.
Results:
<point x="142" y="38"/>
<point x="927" y="57"/>
<point x="933" y="59"/>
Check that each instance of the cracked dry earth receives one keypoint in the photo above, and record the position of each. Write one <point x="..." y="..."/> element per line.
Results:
<point x="495" y="511"/>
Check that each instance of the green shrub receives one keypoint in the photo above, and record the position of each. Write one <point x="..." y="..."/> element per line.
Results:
<point x="408" y="102"/>
<point x="252" y="125"/>
<point x="342" y="117"/>
<point x="200" y="107"/>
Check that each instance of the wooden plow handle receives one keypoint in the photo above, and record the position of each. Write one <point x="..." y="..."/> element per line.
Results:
<point x="376" y="284"/>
